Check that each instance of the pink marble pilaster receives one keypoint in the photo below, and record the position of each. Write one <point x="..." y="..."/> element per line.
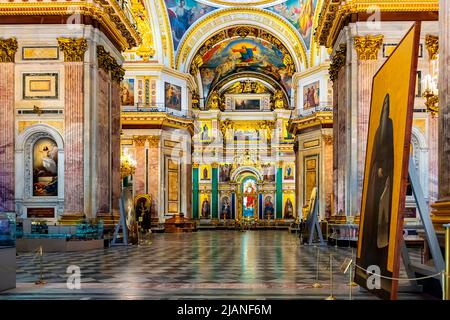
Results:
<point x="433" y="137"/>
<point x="7" y="137"/>
<point x="73" y="136"/>
<point x="139" y="176"/>
<point x="153" y="173"/>
<point x="366" y="71"/>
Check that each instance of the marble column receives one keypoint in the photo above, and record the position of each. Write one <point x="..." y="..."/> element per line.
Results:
<point x="367" y="48"/>
<point x="338" y="76"/>
<point x="116" y="181"/>
<point x="153" y="173"/>
<point x="141" y="165"/>
<point x="103" y="163"/>
<point x="74" y="51"/>
<point x="441" y="208"/>
<point x="8" y="48"/>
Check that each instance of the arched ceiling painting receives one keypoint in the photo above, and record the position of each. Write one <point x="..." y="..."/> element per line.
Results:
<point x="245" y="55"/>
<point x="184" y="13"/>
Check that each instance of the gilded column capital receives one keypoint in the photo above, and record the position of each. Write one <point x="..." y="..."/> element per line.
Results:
<point x="280" y="164"/>
<point x="338" y="61"/>
<point x="368" y="46"/>
<point x="139" y="141"/>
<point x="432" y="45"/>
<point x="8" y="49"/>
<point x="195" y="165"/>
<point x="153" y="141"/>
<point x="214" y="165"/>
<point x="327" y="139"/>
<point x="74" y="49"/>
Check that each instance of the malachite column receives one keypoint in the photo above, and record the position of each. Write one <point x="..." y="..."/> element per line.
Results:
<point x="279" y="194"/>
<point x="215" y="191"/>
<point x="195" y="196"/>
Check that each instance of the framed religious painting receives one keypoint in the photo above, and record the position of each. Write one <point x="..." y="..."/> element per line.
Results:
<point x="172" y="96"/>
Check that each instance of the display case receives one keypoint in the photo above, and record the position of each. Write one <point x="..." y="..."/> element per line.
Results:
<point x="7" y="230"/>
<point x="345" y="234"/>
<point x="39" y="227"/>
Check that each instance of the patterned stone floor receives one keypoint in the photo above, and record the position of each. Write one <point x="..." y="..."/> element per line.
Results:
<point x="202" y="265"/>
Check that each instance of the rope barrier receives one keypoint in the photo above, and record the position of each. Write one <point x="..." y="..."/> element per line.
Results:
<point x="401" y="279"/>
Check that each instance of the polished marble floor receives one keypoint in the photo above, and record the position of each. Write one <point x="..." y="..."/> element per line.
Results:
<point x="202" y="265"/>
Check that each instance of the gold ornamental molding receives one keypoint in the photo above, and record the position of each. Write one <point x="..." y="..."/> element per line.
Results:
<point x="107" y="62"/>
<point x="74" y="49"/>
<point x="146" y="48"/>
<point x="254" y="16"/>
<point x="432" y="45"/>
<point x="195" y="165"/>
<point x="335" y="14"/>
<point x="337" y="62"/>
<point x="139" y="141"/>
<point x="318" y="119"/>
<point x="107" y="12"/>
<point x="153" y="141"/>
<point x="368" y="46"/>
<point x="158" y="119"/>
<point x="8" y="49"/>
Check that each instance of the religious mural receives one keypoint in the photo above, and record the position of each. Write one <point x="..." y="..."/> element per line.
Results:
<point x="288" y="212"/>
<point x="127" y="92"/>
<point x="45" y="168"/>
<point x="250" y="197"/>
<point x="268" y="172"/>
<point x="172" y="96"/>
<point x="311" y="95"/>
<point x="225" y="173"/>
<point x="142" y="207"/>
<point x="183" y="14"/>
<point x="269" y="210"/>
<point x="205" y="208"/>
<point x="289" y="172"/>
<point x="247" y="104"/>
<point x="225" y="212"/>
<point x="300" y="13"/>
<point x="243" y="55"/>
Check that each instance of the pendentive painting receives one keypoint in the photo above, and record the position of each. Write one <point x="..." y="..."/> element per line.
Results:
<point x="45" y="168"/>
<point x="172" y="96"/>
<point x="300" y="13"/>
<point x="311" y="95"/>
<point x="127" y="92"/>
<point x="182" y="14"/>
<point x="225" y="172"/>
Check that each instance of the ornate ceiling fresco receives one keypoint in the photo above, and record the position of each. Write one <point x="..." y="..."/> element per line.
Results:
<point x="243" y="50"/>
<point x="184" y="13"/>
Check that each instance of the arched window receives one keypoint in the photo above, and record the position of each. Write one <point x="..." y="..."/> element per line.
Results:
<point x="45" y="168"/>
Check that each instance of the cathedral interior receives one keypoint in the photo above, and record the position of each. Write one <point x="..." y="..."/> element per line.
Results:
<point x="174" y="124"/>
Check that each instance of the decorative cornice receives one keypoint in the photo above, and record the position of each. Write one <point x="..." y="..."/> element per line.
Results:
<point x="338" y="61"/>
<point x="368" y="46"/>
<point x="195" y="165"/>
<point x="322" y="118"/>
<point x="106" y="12"/>
<point x="74" y="49"/>
<point x="8" y="49"/>
<point x="108" y="63"/>
<point x="432" y="45"/>
<point x="335" y="13"/>
<point x="157" y="120"/>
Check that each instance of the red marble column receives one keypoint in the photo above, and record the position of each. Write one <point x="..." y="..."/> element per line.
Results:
<point x="73" y="136"/>
<point x="7" y="137"/>
<point x="116" y="184"/>
<point x="153" y="172"/>
<point x="103" y="187"/>
<point x="433" y="134"/>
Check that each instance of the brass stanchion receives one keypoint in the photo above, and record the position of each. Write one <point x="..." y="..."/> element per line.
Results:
<point x="331" y="296"/>
<point x="317" y="284"/>
<point x="41" y="276"/>
<point x="446" y="282"/>
<point x="351" y="283"/>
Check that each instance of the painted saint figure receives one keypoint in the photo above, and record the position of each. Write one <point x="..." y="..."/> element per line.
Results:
<point x="268" y="208"/>
<point x="226" y="211"/>
<point x="246" y="53"/>
<point x="377" y="212"/>
<point x="206" y="209"/>
<point x="288" y="210"/>
<point x="205" y="134"/>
